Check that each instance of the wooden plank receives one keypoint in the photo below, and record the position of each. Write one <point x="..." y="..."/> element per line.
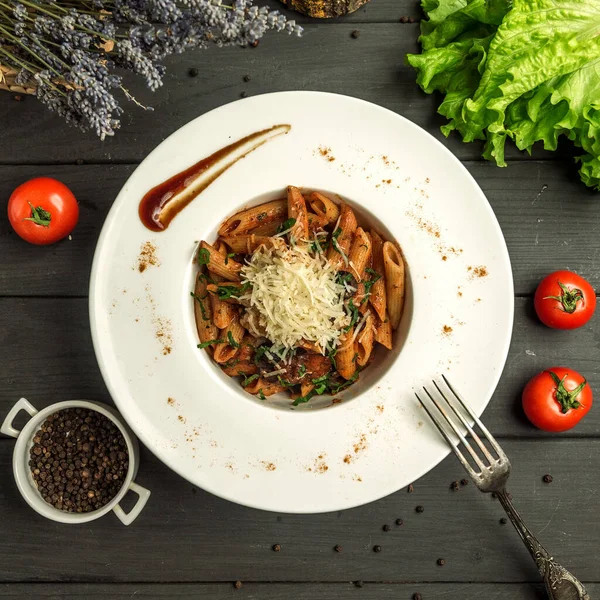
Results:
<point x="549" y="221"/>
<point x="46" y="355"/>
<point x="327" y="59"/>
<point x="277" y="591"/>
<point x="187" y="535"/>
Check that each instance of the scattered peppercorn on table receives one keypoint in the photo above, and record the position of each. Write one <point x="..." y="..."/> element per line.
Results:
<point x="440" y="534"/>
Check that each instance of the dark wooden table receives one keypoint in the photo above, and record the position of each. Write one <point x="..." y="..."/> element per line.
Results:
<point x="189" y="544"/>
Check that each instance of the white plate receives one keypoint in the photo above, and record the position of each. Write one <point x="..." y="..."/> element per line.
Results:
<point x="378" y="439"/>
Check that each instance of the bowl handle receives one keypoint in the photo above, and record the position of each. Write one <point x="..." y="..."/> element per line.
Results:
<point x="131" y="516"/>
<point x="22" y="404"/>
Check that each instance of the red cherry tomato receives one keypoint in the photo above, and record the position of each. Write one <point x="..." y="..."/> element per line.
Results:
<point x="43" y="211"/>
<point x="557" y="399"/>
<point x="564" y="300"/>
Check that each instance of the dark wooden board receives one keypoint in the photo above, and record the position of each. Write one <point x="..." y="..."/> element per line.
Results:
<point x="277" y="591"/>
<point x="46" y="355"/>
<point x="549" y="221"/>
<point x="187" y="535"/>
<point x="327" y="59"/>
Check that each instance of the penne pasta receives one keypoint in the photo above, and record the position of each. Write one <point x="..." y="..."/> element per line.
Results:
<point x="316" y="223"/>
<point x="324" y="207"/>
<point x="383" y="332"/>
<point x="360" y="253"/>
<point x="249" y="242"/>
<point x="263" y="386"/>
<point x="230" y="338"/>
<point x="215" y="262"/>
<point x="365" y="341"/>
<point x="254" y="217"/>
<point x="297" y="211"/>
<point x="394" y="278"/>
<point x="345" y="359"/>
<point x="207" y="330"/>
<point x="377" y="297"/>
<point x="269" y="229"/>
<point x="341" y="239"/>
<point x="223" y="312"/>
<point x="310" y="347"/>
<point x="248" y="348"/>
<point x="243" y="367"/>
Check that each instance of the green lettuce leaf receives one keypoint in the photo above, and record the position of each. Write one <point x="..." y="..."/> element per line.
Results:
<point x="528" y="71"/>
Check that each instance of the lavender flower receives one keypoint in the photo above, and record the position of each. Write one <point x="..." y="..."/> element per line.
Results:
<point x="69" y="49"/>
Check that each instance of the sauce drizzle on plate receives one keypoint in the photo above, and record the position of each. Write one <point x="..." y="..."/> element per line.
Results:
<point x="166" y="200"/>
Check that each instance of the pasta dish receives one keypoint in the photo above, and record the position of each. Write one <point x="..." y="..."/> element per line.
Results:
<point x="294" y="296"/>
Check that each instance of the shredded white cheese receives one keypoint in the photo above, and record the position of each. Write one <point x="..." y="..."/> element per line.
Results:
<point x="295" y="296"/>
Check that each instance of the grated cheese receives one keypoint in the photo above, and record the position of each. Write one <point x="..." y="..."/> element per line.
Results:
<point x="295" y="296"/>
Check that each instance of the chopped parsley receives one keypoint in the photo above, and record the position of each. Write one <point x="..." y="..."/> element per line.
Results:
<point x="261" y="395"/>
<point x="343" y="278"/>
<point x="248" y="380"/>
<point x="287" y="224"/>
<point x="228" y="256"/>
<point x="228" y="291"/>
<point x="284" y="383"/>
<point x="335" y="388"/>
<point x="199" y="301"/>
<point x="203" y="256"/>
<point x="260" y="352"/>
<point x="210" y="343"/>
<point x="232" y="342"/>
<point x="302" y="371"/>
<point x="354" y="316"/>
<point x="369" y="284"/>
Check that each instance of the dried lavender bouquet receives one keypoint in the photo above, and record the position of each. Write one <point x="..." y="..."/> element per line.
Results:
<point x="72" y="51"/>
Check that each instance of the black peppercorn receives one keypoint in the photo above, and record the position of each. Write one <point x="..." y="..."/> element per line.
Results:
<point x="399" y="522"/>
<point x="244" y="94"/>
<point x="410" y="489"/>
<point x="403" y="19"/>
<point x="359" y="583"/>
<point x="254" y="44"/>
<point x="548" y="479"/>
<point x="18" y="97"/>
<point x="386" y="528"/>
<point x="420" y="509"/>
<point x="503" y="521"/>
<point x="337" y="548"/>
<point x="411" y="19"/>
<point x="277" y="548"/>
<point x="376" y="548"/>
<point x="247" y="78"/>
<point x="464" y="482"/>
<point x="355" y="34"/>
<point x="237" y="585"/>
<point x="494" y="495"/>
<point x="441" y="562"/>
<point x="193" y="72"/>
<point x="417" y="596"/>
<point x="454" y="485"/>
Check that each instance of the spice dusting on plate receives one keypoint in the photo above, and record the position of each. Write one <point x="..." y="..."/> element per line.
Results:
<point x="325" y="152"/>
<point x="319" y="466"/>
<point x="78" y="460"/>
<point x="478" y="272"/>
<point x="447" y="330"/>
<point x="269" y="466"/>
<point x="147" y="257"/>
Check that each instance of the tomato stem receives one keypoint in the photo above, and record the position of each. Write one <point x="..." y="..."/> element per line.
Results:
<point x="39" y="216"/>
<point x="568" y="298"/>
<point x="567" y="399"/>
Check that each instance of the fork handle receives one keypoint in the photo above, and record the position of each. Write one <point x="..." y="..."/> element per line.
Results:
<point x="560" y="584"/>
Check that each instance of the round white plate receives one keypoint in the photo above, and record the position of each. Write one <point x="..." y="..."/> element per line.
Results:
<point x="458" y="319"/>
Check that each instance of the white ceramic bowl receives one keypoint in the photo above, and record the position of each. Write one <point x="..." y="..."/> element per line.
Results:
<point x="22" y="472"/>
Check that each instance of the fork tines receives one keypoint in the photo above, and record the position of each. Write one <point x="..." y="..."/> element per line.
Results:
<point x="460" y="411"/>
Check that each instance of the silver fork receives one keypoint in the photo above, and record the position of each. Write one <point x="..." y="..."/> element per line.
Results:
<point x="490" y="474"/>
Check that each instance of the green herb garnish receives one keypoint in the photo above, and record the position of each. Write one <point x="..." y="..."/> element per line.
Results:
<point x="203" y="256"/>
<point x="210" y="343"/>
<point x="287" y="224"/>
<point x="228" y="291"/>
<point x="248" y="380"/>
<point x="260" y="352"/>
<point x="232" y="342"/>
<point x="261" y="395"/>
<point x="199" y="301"/>
<point x="355" y="315"/>
<point x="228" y="256"/>
<point x="302" y="371"/>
